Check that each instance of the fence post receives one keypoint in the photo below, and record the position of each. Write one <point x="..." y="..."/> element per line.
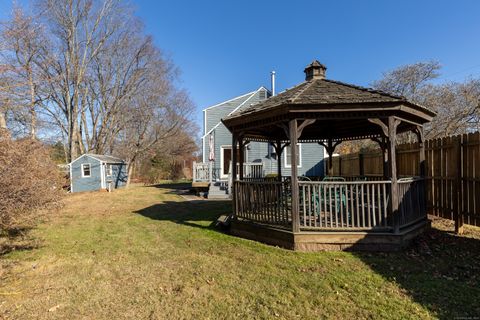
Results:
<point x="457" y="203"/>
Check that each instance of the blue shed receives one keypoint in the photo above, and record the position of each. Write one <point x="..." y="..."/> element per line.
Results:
<point x="91" y="172"/>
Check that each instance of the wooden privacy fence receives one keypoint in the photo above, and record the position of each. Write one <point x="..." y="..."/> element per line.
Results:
<point x="452" y="174"/>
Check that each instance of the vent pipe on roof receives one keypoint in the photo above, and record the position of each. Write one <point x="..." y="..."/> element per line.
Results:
<point x="273" y="82"/>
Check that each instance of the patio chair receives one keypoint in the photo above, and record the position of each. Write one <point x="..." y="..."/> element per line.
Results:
<point x="321" y="199"/>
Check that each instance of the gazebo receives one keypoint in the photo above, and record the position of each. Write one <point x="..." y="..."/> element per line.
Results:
<point x="333" y="213"/>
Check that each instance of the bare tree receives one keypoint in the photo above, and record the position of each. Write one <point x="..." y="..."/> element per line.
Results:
<point x="410" y="80"/>
<point x="23" y="41"/>
<point x="153" y="118"/>
<point x="97" y="79"/>
<point x="118" y="74"/>
<point x="80" y="29"/>
<point x="456" y="104"/>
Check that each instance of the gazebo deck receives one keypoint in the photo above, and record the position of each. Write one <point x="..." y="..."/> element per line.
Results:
<point x="313" y="240"/>
<point x="332" y="214"/>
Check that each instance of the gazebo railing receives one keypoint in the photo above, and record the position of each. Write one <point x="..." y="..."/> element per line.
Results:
<point x="265" y="202"/>
<point x="412" y="202"/>
<point x="361" y="205"/>
<point x="332" y="205"/>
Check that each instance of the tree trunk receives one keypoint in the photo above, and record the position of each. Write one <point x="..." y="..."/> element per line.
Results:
<point x="4" y="133"/>
<point x="72" y="138"/>
<point x="33" y="113"/>
<point x="131" y="166"/>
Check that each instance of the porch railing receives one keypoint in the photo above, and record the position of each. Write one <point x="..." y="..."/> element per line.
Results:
<point x="202" y="172"/>
<point x="207" y="172"/>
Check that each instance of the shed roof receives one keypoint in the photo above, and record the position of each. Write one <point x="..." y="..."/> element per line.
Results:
<point x="107" y="159"/>
<point x="102" y="158"/>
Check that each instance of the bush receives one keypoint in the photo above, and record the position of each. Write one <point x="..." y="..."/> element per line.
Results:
<point x="29" y="180"/>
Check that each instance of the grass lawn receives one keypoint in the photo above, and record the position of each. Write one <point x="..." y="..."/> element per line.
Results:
<point x="145" y="253"/>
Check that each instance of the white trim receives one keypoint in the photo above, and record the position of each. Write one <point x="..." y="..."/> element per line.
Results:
<point x="204" y="121"/>
<point x="89" y="169"/>
<point x="71" y="179"/>
<point x="109" y="169"/>
<point x="83" y="155"/>
<point x="238" y="107"/>
<point x="226" y="101"/>
<point x="229" y="146"/>
<point x="299" y="156"/>
<point x="102" y="175"/>
<point x="222" y="148"/>
<point x="203" y="149"/>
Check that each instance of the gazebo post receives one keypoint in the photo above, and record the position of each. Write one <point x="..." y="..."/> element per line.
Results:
<point x="241" y="154"/>
<point x="382" y="142"/>
<point x="330" y="150"/>
<point x="234" y="172"/>
<point x="421" y="145"/>
<point x="392" y="143"/>
<point x="278" y="151"/>
<point x="330" y="147"/>
<point x="293" y="135"/>
<point x="384" y="148"/>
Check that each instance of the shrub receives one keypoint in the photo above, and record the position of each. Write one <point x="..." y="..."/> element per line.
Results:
<point x="29" y="180"/>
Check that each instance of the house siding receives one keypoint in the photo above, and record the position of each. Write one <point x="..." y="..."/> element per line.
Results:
<point x="312" y="153"/>
<point x="93" y="182"/>
<point x="215" y="114"/>
<point x="119" y="175"/>
<point x="311" y="159"/>
<point x="222" y="136"/>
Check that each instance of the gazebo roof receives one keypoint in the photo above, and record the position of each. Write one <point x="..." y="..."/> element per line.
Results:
<point x="318" y="97"/>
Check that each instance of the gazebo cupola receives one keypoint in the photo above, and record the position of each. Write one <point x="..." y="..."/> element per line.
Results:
<point x="324" y="111"/>
<point x="315" y="70"/>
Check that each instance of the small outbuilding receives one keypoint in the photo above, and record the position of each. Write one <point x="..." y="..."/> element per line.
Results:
<point x="91" y="172"/>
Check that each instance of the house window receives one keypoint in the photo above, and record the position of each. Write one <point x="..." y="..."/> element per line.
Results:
<point x="288" y="156"/>
<point x="86" y="170"/>
<point x="109" y="169"/>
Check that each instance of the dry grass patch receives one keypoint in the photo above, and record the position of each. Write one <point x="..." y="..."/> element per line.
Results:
<point x="144" y="252"/>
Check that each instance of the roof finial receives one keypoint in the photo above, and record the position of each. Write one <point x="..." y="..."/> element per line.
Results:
<point x="315" y="70"/>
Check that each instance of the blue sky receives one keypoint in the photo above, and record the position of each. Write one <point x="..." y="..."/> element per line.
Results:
<point x="227" y="48"/>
